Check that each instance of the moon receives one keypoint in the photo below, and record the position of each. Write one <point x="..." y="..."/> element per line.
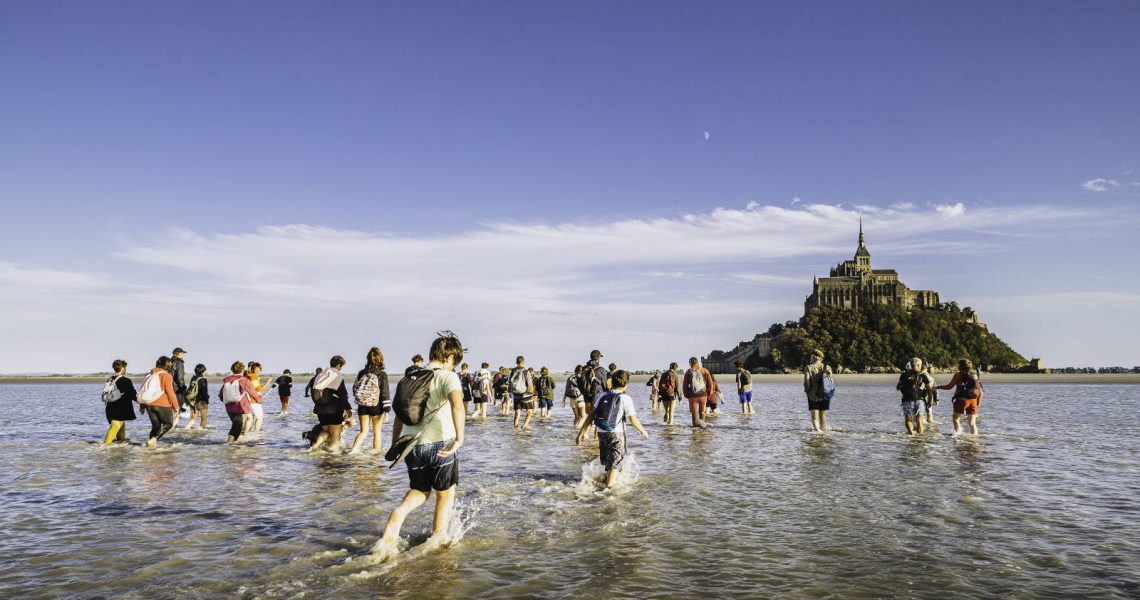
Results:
<point x="706" y="135"/>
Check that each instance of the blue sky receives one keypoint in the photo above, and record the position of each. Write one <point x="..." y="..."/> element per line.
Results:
<point x="288" y="180"/>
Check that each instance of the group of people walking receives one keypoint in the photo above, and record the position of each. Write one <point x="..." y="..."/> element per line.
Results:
<point x="431" y="405"/>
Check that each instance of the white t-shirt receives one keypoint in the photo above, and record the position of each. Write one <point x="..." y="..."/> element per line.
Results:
<point x="441" y="426"/>
<point x="625" y="411"/>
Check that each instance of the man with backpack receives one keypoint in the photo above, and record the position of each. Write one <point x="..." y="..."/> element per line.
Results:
<point x="522" y="391"/>
<point x="698" y="385"/>
<point x="545" y="389"/>
<point x="669" y="391"/>
<point x="608" y="416"/>
<point x="595" y="379"/>
<point x="817" y="376"/>
<point x="915" y="386"/>
<point x="430" y="419"/>
<point x="178" y="373"/>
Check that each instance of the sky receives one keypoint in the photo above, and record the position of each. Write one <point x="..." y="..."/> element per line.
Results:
<point x="287" y="181"/>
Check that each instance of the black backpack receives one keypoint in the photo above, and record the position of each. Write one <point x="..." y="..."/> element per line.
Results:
<point x="412" y="395"/>
<point x="590" y="385"/>
<point x="608" y="415"/>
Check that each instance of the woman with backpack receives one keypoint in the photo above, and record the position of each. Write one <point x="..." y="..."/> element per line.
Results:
<point x="198" y="397"/>
<point x="157" y="399"/>
<point x="698" y="386"/>
<point x="967" y="395"/>
<point x="118" y="403"/>
<point x="237" y="394"/>
<point x="574" y="394"/>
<point x="332" y="407"/>
<point x="372" y="399"/>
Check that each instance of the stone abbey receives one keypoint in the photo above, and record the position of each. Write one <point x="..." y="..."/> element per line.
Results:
<point x="854" y="284"/>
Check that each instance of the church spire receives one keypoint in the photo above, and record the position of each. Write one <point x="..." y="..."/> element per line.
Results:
<point x="861" y="242"/>
<point x="862" y="254"/>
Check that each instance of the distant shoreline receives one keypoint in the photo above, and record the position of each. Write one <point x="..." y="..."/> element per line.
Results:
<point x="856" y="379"/>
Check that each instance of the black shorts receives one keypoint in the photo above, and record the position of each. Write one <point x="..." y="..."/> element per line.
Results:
<point x="480" y="400"/>
<point x="372" y="411"/>
<point x="427" y="471"/>
<point x="336" y="418"/>
<point x="819" y="405"/>
<point x="524" y="403"/>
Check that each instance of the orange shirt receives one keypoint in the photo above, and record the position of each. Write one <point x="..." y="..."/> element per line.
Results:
<point x="168" y="398"/>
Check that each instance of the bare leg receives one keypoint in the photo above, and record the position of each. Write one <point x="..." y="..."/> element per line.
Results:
<point x="973" y="419"/>
<point x="377" y="433"/>
<point x="957" y="422"/>
<point x="823" y="420"/>
<point x="529" y="416"/>
<point x="814" y="420"/>
<point x="611" y="477"/>
<point x="202" y="412"/>
<point x="112" y="432"/>
<point x="335" y="432"/>
<point x="444" y="501"/>
<point x="516" y="418"/>
<point x="412" y="500"/>
<point x="919" y="424"/>
<point x="365" y="425"/>
<point x="908" y="425"/>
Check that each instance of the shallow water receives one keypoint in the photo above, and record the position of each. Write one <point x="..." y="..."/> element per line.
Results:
<point x="1043" y="503"/>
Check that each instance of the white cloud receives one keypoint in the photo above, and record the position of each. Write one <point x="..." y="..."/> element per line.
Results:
<point x="293" y="294"/>
<point x="796" y="200"/>
<point x="902" y="206"/>
<point x="706" y="135"/>
<point x="951" y="210"/>
<point x="1100" y="184"/>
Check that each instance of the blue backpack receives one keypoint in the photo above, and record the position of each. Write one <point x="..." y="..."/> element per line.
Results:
<point x="608" y="414"/>
<point x="827" y="388"/>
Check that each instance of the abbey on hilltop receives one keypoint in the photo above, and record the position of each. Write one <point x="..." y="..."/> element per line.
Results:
<point x="854" y="284"/>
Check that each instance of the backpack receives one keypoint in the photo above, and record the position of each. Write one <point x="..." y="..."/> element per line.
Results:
<point x="573" y="387"/>
<point x="969" y="389"/>
<point x="111" y="391"/>
<point x="545" y="386"/>
<point x="151" y="390"/>
<point x="667" y="387"/>
<point x="918" y="388"/>
<point x="826" y="387"/>
<point x="591" y="387"/>
<point x="697" y="385"/>
<point x="412" y="395"/>
<point x="366" y="389"/>
<point x="322" y="394"/>
<point x="502" y="385"/>
<point x="520" y="382"/>
<point x="608" y="414"/>
<point x="232" y="392"/>
<point x="192" y="391"/>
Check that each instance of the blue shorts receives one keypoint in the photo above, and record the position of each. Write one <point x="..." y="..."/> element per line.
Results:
<point x="745" y="397"/>
<point x="546" y="403"/>
<point x="910" y="407"/>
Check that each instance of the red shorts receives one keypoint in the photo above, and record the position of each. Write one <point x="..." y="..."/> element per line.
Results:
<point x="967" y="406"/>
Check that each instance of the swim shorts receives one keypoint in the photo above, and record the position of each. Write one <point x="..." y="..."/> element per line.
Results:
<point x="611" y="447"/>
<point x="910" y="408"/>
<point x="546" y="403"/>
<point x="819" y="404"/>
<point x="745" y="397"/>
<point x="336" y="418"/>
<point x="522" y="403"/>
<point x="966" y="406"/>
<point x="427" y="471"/>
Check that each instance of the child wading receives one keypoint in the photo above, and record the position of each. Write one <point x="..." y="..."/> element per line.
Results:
<point x="430" y="418"/>
<point x="545" y="386"/>
<point x="609" y="415"/>
<point x="118" y="403"/>
<point x="198" y="397"/>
